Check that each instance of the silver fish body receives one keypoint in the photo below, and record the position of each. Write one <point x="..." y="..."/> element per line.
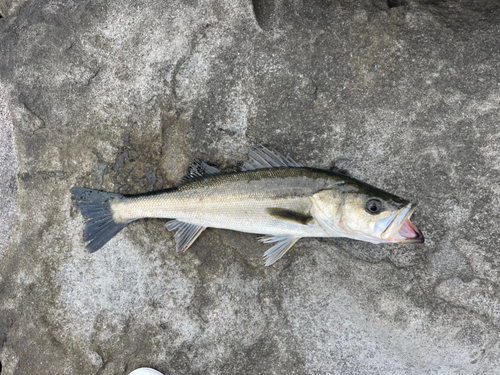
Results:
<point x="273" y="196"/>
<point x="237" y="201"/>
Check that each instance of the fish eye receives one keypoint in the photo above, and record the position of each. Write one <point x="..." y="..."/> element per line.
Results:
<point x="373" y="206"/>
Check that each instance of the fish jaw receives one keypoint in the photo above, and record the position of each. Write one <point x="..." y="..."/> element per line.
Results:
<point x="401" y="229"/>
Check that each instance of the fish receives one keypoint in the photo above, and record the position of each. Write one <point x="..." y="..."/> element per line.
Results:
<point x="271" y="195"/>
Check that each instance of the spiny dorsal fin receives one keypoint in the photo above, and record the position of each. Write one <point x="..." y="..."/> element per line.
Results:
<point x="186" y="233"/>
<point x="260" y="157"/>
<point x="198" y="169"/>
<point x="289" y="215"/>
<point x="284" y="243"/>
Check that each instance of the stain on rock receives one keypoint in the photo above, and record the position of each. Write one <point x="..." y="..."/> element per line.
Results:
<point x="5" y="325"/>
<point x="176" y="155"/>
<point x="136" y="168"/>
<point x="265" y="12"/>
<point x="32" y="120"/>
<point x="373" y="59"/>
<point x="448" y="263"/>
<point x="395" y="3"/>
<point x="478" y="296"/>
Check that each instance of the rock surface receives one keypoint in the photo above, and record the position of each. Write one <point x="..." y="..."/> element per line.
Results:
<point x="121" y="95"/>
<point x="8" y="7"/>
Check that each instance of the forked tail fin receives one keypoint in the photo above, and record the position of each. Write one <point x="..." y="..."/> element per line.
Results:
<point x="100" y="226"/>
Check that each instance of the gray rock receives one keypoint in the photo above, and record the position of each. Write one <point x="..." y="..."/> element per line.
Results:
<point x="120" y="96"/>
<point x="8" y="7"/>
<point x="8" y="170"/>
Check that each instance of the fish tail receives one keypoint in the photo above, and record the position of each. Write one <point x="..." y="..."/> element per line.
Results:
<point x="100" y="226"/>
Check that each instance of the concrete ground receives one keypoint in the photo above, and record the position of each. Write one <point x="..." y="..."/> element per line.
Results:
<point x="121" y="95"/>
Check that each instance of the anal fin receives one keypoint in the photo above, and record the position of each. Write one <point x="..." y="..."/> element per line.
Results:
<point x="186" y="233"/>
<point x="284" y="243"/>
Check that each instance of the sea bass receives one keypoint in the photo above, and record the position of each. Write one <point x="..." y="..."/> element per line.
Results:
<point x="272" y="195"/>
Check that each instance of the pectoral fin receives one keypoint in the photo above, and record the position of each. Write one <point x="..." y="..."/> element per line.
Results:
<point x="284" y="243"/>
<point x="186" y="233"/>
<point x="289" y="215"/>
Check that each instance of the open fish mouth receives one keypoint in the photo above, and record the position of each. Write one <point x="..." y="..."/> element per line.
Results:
<point x="402" y="230"/>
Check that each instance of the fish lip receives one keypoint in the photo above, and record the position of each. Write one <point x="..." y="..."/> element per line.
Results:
<point x="392" y="234"/>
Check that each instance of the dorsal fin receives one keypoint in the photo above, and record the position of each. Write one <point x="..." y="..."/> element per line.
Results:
<point x="260" y="157"/>
<point x="198" y="169"/>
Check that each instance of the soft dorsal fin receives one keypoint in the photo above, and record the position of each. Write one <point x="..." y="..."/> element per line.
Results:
<point x="289" y="215"/>
<point x="260" y="157"/>
<point x="198" y="169"/>
<point x="186" y="233"/>
<point x="284" y="243"/>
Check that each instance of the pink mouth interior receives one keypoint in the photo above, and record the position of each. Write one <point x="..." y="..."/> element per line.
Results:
<point x="408" y="230"/>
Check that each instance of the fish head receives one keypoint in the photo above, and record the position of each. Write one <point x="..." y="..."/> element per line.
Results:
<point x="363" y="212"/>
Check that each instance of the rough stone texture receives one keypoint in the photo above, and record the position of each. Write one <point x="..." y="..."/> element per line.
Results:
<point x="8" y="7"/>
<point x="8" y="170"/>
<point x="121" y="95"/>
